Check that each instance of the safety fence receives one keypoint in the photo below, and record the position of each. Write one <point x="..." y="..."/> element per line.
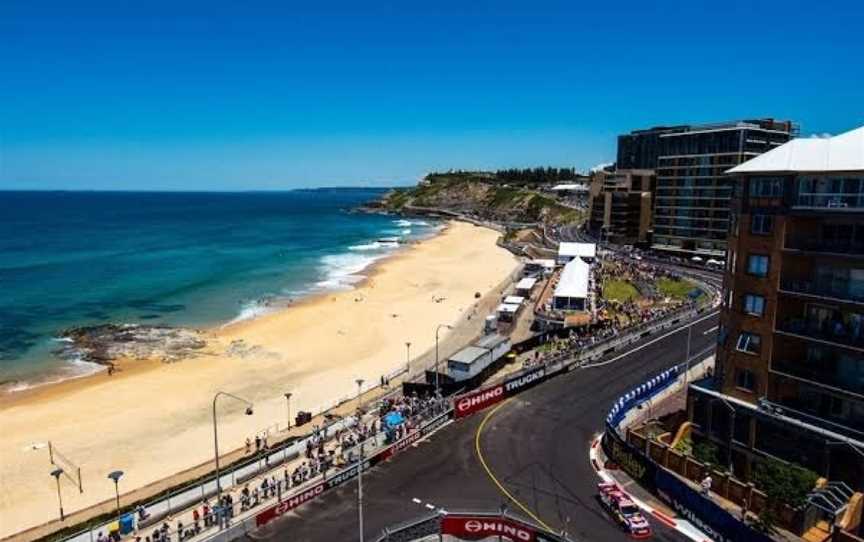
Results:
<point x="290" y="500"/>
<point x="708" y="516"/>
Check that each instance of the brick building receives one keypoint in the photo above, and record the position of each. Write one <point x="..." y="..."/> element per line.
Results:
<point x="620" y="205"/>
<point x="789" y="380"/>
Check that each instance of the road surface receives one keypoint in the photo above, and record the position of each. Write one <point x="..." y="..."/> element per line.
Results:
<point x="535" y="447"/>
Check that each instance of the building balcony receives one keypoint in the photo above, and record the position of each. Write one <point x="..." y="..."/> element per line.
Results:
<point x="835" y="374"/>
<point x="833" y="202"/>
<point x="808" y="243"/>
<point x="835" y="333"/>
<point x="849" y="291"/>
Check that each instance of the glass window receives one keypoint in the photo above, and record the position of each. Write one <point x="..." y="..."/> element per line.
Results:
<point x="757" y="264"/>
<point x="754" y="304"/>
<point x="745" y="379"/>
<point x="749" y="343"/>
<point x="762" y="224"/>
<point x="766" y="187"/>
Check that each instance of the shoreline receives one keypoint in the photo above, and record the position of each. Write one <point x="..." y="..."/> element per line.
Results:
<point x="153" y="419"/>
<point x="10" y="392"/>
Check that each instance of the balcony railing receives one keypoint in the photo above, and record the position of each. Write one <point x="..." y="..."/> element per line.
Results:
<point x="831" y="201"/>
<point x="828" y="331"/>
<point x="824" y="373"/>
<point x="812" y="244"/>
<point x="850" y="290"/>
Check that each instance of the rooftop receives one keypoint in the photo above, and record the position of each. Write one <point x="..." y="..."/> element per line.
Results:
<point x="844" y="152"/>
<point x="581" y="250"/>
<point x="574" y="280"/>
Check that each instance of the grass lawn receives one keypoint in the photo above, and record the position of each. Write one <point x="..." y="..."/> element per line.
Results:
<point x="675" y="288"/>
<point x="619" y="290"/>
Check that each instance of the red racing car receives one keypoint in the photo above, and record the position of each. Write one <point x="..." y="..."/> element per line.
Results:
<point x="623" y="510"/>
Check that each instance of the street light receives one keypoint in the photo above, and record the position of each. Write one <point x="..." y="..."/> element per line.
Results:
<point x="360" y="464"/>
<point x="687" y="357"/>
<point x="116" y="475"/>
<point x="56" y="474"/>
<point x="288" y="401"/>
<point x="216" y="434"/>
<point x="407" y="357"/>
<point x="437" y="329"/>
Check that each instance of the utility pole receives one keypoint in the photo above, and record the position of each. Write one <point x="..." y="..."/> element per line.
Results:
<point x="360" y="464"/>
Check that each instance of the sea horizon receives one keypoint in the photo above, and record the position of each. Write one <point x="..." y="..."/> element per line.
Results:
<point x="189" y="259"/>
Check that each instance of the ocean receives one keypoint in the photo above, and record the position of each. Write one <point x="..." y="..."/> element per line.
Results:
<point x="187" y="259"/>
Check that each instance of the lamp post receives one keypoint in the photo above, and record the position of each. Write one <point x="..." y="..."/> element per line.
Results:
<point x="360" y="465"/>
<point x="115" y="476"/>
<point x="56" y="474"/>
<point x="288" y="404"/>
<point x="437" y="330"/>
<point x="687" y="356"/>
<point x="407" y="357"/>
<point x="249" y="412"/>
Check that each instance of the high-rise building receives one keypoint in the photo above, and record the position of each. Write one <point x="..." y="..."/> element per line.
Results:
<point x="691" y="202"/>
<point x="620" y="205"/>
<point x="789" y="377"/>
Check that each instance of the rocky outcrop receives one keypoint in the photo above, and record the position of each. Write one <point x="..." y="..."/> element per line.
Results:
<point x="106" y="343"/>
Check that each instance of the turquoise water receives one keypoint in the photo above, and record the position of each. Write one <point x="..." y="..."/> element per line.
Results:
<point x="196" y="259"/>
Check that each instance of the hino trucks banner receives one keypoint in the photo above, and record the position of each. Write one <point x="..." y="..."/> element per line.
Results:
<point x="465" y="405"/>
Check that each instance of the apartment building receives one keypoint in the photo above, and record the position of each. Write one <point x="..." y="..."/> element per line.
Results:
<point x="620" y="203"/>
<point x="691" y="201"/>
<point x="789" y="378"/>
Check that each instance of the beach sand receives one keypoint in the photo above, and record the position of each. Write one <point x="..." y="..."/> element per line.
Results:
<point x="153" y="419"/>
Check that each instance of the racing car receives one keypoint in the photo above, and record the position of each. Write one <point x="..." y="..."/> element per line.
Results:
<point x="623" y="510"/>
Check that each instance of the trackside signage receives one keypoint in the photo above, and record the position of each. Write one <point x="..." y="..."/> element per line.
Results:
<point x="470" y="403"/>
<point x="341" y="477"/>
<point x="477" y="528"/>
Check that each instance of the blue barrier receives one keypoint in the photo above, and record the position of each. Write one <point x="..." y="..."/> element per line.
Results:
<point x="698" y="509"/>
<point x="640" y="394"/>
<point x="702" y="512"/>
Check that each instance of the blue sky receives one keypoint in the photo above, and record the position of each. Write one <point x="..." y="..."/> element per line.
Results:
<point x="255" y="95"/>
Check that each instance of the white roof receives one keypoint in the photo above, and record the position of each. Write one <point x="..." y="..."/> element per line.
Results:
<point x="573" y="250"/>
<point x="507" y="307"/>
<point x="573" y="187"/>
<point x="574" y="280"/>
<point x="526" y="284"/>
<point x="543" y="262"/>
<point x="844" y="152"/>
<point x="514" y="300"/>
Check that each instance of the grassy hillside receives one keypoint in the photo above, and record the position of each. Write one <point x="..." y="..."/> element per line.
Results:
<point x="473" y="194"/>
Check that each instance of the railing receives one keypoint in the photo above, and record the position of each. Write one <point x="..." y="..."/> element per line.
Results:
<point x="851" y="290"/>
<point x="809" y="243"/>
<point x="833" y="332"/>
<point x="826" y="372"/>
<point x="837" y="201"/>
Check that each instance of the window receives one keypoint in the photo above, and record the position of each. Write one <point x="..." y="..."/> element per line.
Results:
<point x="766" y="187"/>
<point x="749" y="343"/>
<point x="757" y="265"/>
<point x="745" y="379"/>
<point x="754" y="304"/>
<point x="762" y="224"/>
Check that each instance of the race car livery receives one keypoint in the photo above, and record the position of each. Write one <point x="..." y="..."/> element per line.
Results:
<point x="623" y="510"/>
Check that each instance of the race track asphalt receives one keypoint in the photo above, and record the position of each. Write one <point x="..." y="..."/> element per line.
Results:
<point x="534" y="445"/>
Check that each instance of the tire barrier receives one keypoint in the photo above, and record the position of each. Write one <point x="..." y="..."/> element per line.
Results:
<point x="641" y="394"/>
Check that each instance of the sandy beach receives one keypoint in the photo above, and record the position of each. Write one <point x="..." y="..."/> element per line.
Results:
<point x="153" y="419"/>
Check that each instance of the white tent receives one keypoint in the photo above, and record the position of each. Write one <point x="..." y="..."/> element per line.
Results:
<point x="572" y="289"/>
<point x="508" y="308"/>
<point x="569" y="251"/>
<point x="514" y="300"/>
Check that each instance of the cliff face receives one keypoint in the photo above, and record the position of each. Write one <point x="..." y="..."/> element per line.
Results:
<point x="477" y="197"/>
